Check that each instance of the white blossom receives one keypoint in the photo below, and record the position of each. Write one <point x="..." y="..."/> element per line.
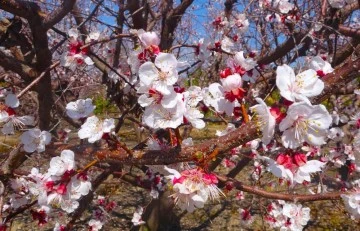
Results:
<point x="35" y="140"/>
<point x="352" y="203"/>
<point x="266" y="122"/>
<point x="80" y="108"/>
<point x="299" y="87"/>
<point x="162" y="75"/>
<point x="60" y="164"/>
<point x="93" y="129"/>
<point x="305" y="122"/>
<point x="137" y="220"/>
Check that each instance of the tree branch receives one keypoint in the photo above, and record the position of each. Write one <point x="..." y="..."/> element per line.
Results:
<point x="348" y="31"/>
<point x="24" y="9"/>
<point x="280" y="196"/>
<point x="284" y="48"/>
<point x="57" y="15"/>
<point x="16" y="66"/>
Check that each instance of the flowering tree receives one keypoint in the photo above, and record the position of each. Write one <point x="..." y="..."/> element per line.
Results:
<point x="282" y="75"/>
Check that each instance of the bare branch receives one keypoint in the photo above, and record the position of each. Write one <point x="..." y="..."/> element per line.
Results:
<point x="281" y="196"/>
<point x="24" y="9"/>
<point x="35" y="81"/>
<point x="16" y="66"/>
<point x="58" y="14"/>
<point x="348" y="31"/>
<point x="284" y="48"/>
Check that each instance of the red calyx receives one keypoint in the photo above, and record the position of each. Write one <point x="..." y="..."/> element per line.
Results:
<point x="225" y="73"/>
<point x="320" y="73"/>
<point x="237" y="93"/>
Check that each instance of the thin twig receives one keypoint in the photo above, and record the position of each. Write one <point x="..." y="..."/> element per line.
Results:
<point x="37" y="79"/>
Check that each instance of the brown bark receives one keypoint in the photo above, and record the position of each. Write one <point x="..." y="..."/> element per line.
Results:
<point x="170" y="20"/>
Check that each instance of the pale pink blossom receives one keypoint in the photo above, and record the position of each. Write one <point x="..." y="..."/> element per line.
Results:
<point x="60" y="164"/>
<point x="151" y="96"/>
<point x="265" y="120"/>
<point x="156" y="116"/>
<point x="80" y="108"/>
<point x="76" y="55"/>
<point x="245" y="217"/>
<point x="287" y="216"/>
<point x="240" y="62"/>
<point x="305" y="123"/>
<point x="321" y="66"/>
<point x="192" y="114"/>
<point x="59" y="227"/>
<point x="161" y="75"/>
<point x="35" y="140"/>
<point x="352" y="203"/>
<point x="214" y="96"/>
<point x="95" y="225"/>
<point x="227" y="44"/>
<point x="93" y="129"/>
<point x="241" y="23"/>
<point x="148" y="39"/>
<point x="284" y="6"/>
<point x="12" y="101"/>
<point x="137" y="217"/>
<point x="299" y="87"/>
<point x="294" y="168"/>
<point x="192" y="188"/>
<point x="11" y="121"/>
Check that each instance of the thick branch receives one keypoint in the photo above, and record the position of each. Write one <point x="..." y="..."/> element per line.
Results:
<point x="339" y="78"/>
<point x="16" y="66"/>
<point x="59" y="13"/>
<point x="170" y="21"/>
<point x="345" y="52"/>
<point x="347" y="10"/>
<point x="348" y="31"/>
<point x="20" y="8"/>
<point x="228" y="7"/>
<point x="136" y="14"/>
<point x="284" y="48"/>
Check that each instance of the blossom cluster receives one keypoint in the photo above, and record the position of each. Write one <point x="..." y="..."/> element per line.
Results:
<point x="169" y="100"/>
<point x="287" y="216"/>
<point x="166" y="104"/>
<point x="60" y="187"/>
<point x="192" y="188"/>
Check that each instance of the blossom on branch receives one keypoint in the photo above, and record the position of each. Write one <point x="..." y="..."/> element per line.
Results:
<point x="293" y="167"/>
<point x="305" y="123"/>
<point x="161" y="75"/>
<point x="35" y="140"/>
<point x="80" y="108"/>
<point x="77" y="54"/>
<point x="93" y="129"/>
<point x="193" y="188"/>
<point x="8" y="115"/>
<point x="352" y="203"/>
<point x="299" y="87"/>
<point x="287" y="216"/>
<point x="265" y="120"/>
<point x="321" y="66"/>
<point x="284" y="6"/>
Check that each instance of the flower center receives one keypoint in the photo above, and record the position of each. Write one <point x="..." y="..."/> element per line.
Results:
<point x="157" y="96"/>
<point x="301" y="126"/>
<point x="162" y="76"/>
